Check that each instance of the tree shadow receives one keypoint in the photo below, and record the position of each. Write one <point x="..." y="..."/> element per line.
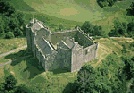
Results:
<point x="17" y="57"/>
<point x="70" y="88"/>
<point x="60" y="70"/>
<point x="129" y="12"/>
<point x="32" y="64"/>
<point x="33" y="67"/>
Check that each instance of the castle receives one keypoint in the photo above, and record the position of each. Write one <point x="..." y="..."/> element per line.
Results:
<point x="69" y="49"/>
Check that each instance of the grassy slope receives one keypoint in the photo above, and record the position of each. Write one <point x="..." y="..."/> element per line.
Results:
<point x="10" y="44"/>
<point x="64" y="9"/>
<point x="73" y="12"/>
<point x="108" y="46"/>
<point x="52" y="21"/>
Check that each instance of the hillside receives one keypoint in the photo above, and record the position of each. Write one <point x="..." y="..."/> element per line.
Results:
<point x="73" y="12"/>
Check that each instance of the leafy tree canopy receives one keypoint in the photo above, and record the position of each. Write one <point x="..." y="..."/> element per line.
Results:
<point x="130" y="10"/>
<point x="103" y="79"/>
<point x="122" y="29"/>
<point x="12" y="22"/>
<point x="90" y="29"/>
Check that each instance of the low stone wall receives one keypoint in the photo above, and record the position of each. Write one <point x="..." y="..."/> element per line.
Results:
<point x="89" y="53"/>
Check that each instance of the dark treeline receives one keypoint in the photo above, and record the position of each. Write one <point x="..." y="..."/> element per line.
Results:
<point x="12" y="22"/>
<point x="122" y="29"/>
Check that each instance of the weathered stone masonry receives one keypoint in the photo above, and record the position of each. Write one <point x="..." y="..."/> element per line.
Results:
<point x="69" y="49"/>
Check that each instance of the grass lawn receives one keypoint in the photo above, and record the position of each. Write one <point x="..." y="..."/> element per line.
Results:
<point x="10" y="44"/>
<point x="69" y="10"/>
<point x="3" y="60"/>
<point x="108" y="46"/>
<point x="1" y="74"/>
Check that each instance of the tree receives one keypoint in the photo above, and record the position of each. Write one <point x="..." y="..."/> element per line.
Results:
<point x="9" y="35"/>
<point x="90" y="29"/>
<point x="130" y="10"/>
<point x="5" y="8"/>
<point x="128" y="69"/>
<point x="22" y="89"/>
<point x="85" y="80"/>
<point x="2" y="88"/>
<point x="87" y="27"/>
<point x="103" y="79"/>
<point x="10" y="83"/>
<point x="120" y="29"/>
<point x="12" y="22"/>
<point x="130" y="28"/>
<point x="97" y="30"/>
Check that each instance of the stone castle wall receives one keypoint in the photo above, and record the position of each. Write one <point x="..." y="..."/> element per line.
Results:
<point x="68" y="54"/>
<point x="77" y="57"/>
<point x="82" y="55"/>
<point x="89" y="53"/>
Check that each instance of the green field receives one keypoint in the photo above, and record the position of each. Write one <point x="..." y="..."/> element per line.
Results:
<point x="73" y="12"/>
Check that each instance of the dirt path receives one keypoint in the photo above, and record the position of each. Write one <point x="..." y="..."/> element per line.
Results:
<point x="12" y="51"/>
<point x="122" y="39"/>
<point x="7" y="53"/>
<point x="3" y="64"/>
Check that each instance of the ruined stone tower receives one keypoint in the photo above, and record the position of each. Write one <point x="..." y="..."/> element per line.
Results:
<point x="69" y="49"/>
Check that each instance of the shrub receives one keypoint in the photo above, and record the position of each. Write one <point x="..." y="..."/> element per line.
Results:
<point x="9" y="35"/>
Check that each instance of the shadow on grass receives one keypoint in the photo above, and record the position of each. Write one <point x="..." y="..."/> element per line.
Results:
<point x="60" y="70"/>
<point x="32" y="64"/>
<point x="70" y="88"/>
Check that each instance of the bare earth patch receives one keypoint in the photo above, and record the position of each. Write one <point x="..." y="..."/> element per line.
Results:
<point x="68" y="11"/>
